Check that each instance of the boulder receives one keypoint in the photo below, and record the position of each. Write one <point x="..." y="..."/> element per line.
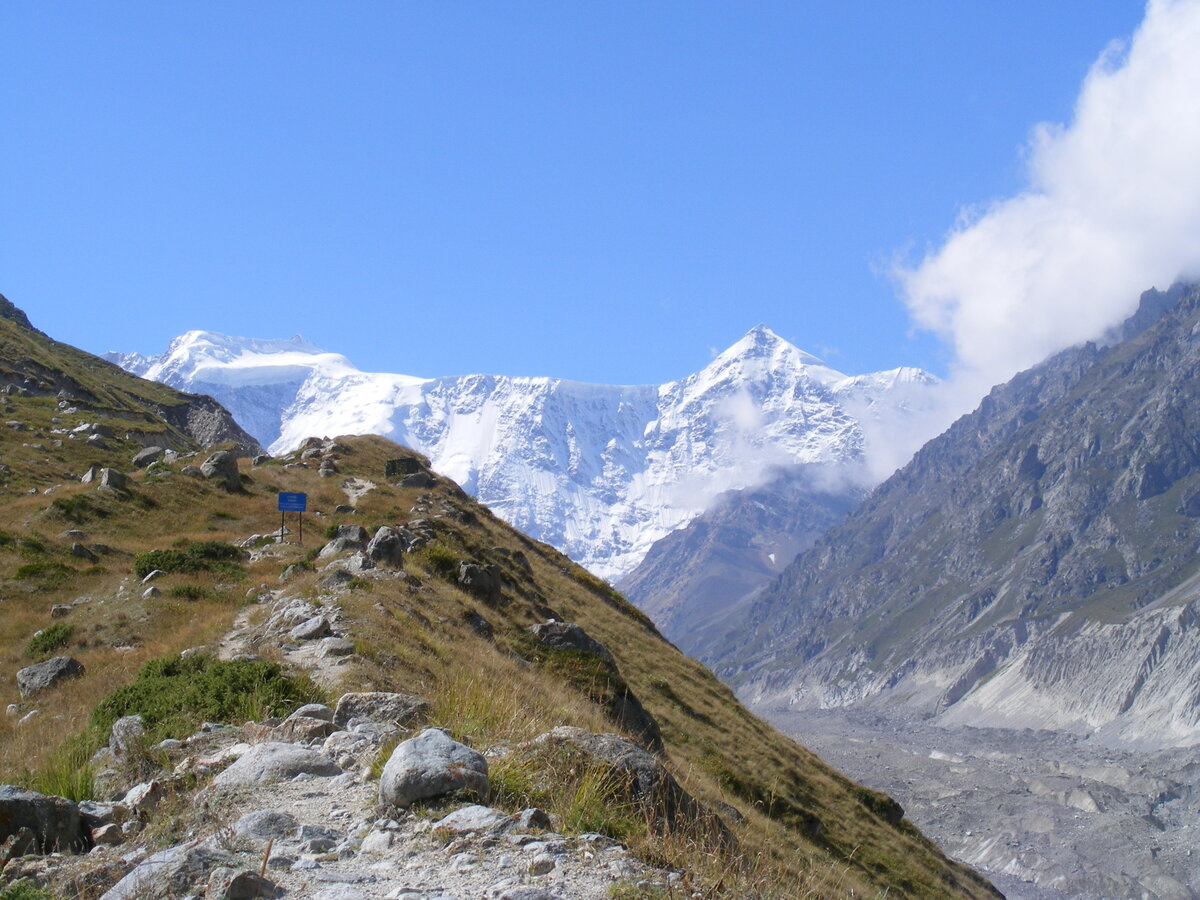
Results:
<point x="44" y="675"/>
<point x="353" y="532"/>
<point x="147" y="456"/>
<point x="482" y="581"/>
<point x="274" y="761"/>
<point x="143" y="798"/>
<point x="566" y="636"/>
<point x="339" y="545"/>
<point x="111" y="478"/>
<point x="388" y="546"/>
<point x="222" y="467"/>
<point x="418" y="480"/>
<point x="54" y="821"/>
<point x="378" y="706"/>
<point x="179" y="871"/>
<point x="313" y="711"/>
<point x="127" y="738"/>
<point x="311" y="629"/>
<point x="430" y="765"/>
<point x="192" y="471"/>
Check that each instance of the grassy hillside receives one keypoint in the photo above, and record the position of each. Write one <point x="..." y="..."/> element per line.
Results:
<point x="803" y="828"/>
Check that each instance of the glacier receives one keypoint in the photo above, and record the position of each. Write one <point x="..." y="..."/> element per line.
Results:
<point x="599" y="471"/>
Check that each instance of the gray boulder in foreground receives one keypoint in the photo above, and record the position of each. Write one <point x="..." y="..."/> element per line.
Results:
<point x="54" y="821"/>
<point x="175" y="872"/>
<point x="430" y="765"/>
<point x="273" y="761"/>
<point x="43" y="675"/>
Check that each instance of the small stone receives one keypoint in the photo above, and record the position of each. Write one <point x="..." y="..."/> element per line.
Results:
<point x="311" y="629"/>
<point x="542" y="864"/>
<point x="143" y="798"/>
<point x="109" y="834"/>
<point x="151" y="592"/>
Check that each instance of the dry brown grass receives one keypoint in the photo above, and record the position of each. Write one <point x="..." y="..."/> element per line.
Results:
<point x="805" y="830"/>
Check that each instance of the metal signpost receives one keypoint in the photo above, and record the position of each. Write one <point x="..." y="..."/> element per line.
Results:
<point x="296" y="503"/>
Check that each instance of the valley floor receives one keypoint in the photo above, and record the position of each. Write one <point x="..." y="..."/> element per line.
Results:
<point x="1044" y="816"/>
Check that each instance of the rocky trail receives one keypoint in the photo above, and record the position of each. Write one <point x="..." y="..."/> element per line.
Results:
<point x="297" y="807"/>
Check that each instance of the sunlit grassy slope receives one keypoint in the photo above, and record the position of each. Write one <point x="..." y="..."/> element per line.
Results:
<point x="804" y="830"/>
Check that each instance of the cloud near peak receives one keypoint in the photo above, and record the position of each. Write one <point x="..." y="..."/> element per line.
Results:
<point x="1112" y="207"/>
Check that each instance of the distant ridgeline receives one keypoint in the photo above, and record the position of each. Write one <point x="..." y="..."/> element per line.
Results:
<point x="599" y="471"/>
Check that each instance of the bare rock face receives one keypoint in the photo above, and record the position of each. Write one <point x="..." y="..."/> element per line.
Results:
<point x="431" y="765"/>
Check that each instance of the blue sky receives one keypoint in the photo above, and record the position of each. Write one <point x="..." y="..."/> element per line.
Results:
<point x="598" y="191"/>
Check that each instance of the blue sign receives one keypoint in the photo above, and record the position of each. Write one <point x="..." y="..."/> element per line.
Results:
<point x="292" y="502"/>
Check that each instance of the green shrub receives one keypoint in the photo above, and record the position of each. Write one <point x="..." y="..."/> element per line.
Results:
<point x="49" y="639"/>
<point x="195" y="556"/>
<point x="175" y="695"/>
<point x="24" y="890"/>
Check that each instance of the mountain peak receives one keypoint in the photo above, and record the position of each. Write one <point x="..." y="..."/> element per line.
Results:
<point x="762" y="350"/>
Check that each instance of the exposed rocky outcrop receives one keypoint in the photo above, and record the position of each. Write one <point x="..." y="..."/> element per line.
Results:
<point x="1033" y="566"/>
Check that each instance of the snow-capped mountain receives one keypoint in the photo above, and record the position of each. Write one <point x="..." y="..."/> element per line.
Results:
<point x="599" y="471"/>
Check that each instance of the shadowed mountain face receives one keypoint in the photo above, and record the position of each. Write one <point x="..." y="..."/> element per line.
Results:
<point x="1034" y="566"/>
<point x="693" y="580"/>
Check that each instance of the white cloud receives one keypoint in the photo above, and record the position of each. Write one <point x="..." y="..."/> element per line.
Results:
<point x="1112" y="208"/>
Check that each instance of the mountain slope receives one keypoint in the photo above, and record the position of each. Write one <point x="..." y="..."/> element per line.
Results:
<point x="72" y="555"/>
<point x="33" y="364"/>
<point x="696" y="578"/>
<point x="1034" y="566"/>
<point x="599" y="471"/>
